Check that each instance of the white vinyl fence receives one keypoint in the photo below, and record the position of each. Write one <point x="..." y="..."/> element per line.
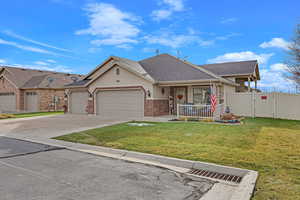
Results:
<point x="199" y="111"/>
<point x="274" y="105"/>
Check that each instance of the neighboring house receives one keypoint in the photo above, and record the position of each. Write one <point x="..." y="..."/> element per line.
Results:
<point x="27" y="90"/>
<point x="154" y="86"/>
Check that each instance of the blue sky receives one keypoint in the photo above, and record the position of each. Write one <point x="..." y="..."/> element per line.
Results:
<point x="76" y="35"/>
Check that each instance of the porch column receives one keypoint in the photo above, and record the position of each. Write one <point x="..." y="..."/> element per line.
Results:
<point x="214" y="89"/>
<point x="248" y="84"/>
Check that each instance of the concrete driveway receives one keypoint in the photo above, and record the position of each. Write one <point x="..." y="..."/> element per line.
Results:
<point x="35" y="171"/>
<point x="52" y="126"/>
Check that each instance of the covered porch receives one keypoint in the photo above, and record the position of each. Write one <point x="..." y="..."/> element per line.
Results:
<point x="194" y="100"/>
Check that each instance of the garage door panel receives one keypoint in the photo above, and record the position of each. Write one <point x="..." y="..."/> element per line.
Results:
<point x="120" y="104"/>
<point x="78" y="102"/>
<point x="7" y="102"/>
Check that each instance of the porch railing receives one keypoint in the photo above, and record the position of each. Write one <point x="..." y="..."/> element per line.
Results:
<point x="199" y="111"/>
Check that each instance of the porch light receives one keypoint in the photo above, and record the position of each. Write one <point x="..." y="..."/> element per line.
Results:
<point x="148" y="93"/>
<point x="90" y="96"/>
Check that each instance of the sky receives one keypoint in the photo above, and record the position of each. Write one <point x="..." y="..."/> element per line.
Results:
<point x="77" y="35"/>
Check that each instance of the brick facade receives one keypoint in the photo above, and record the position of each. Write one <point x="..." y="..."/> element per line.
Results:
<point x="46" y="99"/>
<point x="7" y="86"/>
<point x="90" y="106"/>
<point x="156" y="107"/>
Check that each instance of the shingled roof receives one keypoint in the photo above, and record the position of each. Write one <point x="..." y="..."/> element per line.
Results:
<point x="165" y="67"/>
<point x="30" y="78"/>
<point x="232" y="68"/>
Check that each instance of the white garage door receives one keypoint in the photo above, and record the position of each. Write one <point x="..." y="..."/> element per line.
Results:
<point x="7" y="102"/>
<point x="79" y="102"/>
<point x="31" y="102"/>
<point x="120" y="104"/>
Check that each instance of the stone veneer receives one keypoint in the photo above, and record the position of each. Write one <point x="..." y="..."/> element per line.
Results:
<point x="156" y="107"/>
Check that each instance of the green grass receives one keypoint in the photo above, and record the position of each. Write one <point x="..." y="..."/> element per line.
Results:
<point x="24" y="115"/>
<point x="269" y="146"/>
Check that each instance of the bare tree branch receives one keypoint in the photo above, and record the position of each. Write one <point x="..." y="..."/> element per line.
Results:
<point x="293" y="64"/>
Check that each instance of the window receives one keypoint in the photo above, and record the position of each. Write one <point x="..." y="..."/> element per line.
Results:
<point x="31" y="93"/>
<point x="7" y="94"/>
<point x="201" y="95"/>
<point x="220" y="96"/>
<point x="117" y="71"/>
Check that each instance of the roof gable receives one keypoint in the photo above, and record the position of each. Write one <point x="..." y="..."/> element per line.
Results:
<point x="129" y="65"/>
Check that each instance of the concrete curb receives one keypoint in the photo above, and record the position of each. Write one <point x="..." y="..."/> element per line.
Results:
<point x="26" y="118"/>
<point x="243" y="191"/>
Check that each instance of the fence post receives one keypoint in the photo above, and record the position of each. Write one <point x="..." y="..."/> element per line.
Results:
<point x="178" y="111"/>
<point x="274" y="105"/>
<point x="253" y="104"/>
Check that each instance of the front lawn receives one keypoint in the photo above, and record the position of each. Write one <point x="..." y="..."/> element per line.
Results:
<point x="23" y="115"/>
<point x="269" y="146"/>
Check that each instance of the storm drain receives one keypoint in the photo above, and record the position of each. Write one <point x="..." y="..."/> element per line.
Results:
<point x="216" y="175"/>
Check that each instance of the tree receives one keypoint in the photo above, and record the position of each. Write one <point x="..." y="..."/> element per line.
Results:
<point x="293" y="65"/>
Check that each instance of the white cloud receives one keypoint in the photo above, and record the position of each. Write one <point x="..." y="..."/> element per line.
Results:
<point x="41" y="63"/>
<point x="161" y="14"/>
<point x="110" y="25"/>
<point x="277" y="43"/>
<point x="2" y="61"/>
<point x="278" y="67"/>
<point x="273" y="79"/>
<point x="171" y="7"/>
<point x="149" y="50"/>
<point x="113" y="41"/>
<point x="241" y="56"/>
<point x="94" y="50"/>
<point x="124" y="46"/>
<point x="175" y="41"/>
<point x="51" y="61"/>
<point x="228" y="36"/>
<point x="176" y="5"/>
<point x="27" y="48"/>
<point x="14" y="35"/>
<point x="56" y="68"/>
<point x="228" y="20"/>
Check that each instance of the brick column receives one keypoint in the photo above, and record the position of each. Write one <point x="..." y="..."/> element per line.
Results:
<point x="157" y="107"/>
<point x="90" y="106"/>
<point x="66" y="106"/>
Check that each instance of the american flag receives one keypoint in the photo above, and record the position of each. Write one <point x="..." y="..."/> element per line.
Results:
<point x="213" y="102"/>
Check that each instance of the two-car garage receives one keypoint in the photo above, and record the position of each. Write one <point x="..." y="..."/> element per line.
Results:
<point x="120" y="103"/>
<point x="117" y="104"/>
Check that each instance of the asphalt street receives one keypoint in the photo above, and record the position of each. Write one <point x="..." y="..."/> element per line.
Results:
<point x="31" y="171"/>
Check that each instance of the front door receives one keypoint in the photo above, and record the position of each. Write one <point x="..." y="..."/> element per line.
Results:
<point x="180" y="95"/>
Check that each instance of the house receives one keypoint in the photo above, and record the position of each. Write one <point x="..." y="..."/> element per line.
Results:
<point x="27" y="90"/>
<point x="153" y="87"/>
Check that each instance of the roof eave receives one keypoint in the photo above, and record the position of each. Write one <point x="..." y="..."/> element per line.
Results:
<point x="187" y="81"/>
<point x="98" y="66"/>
